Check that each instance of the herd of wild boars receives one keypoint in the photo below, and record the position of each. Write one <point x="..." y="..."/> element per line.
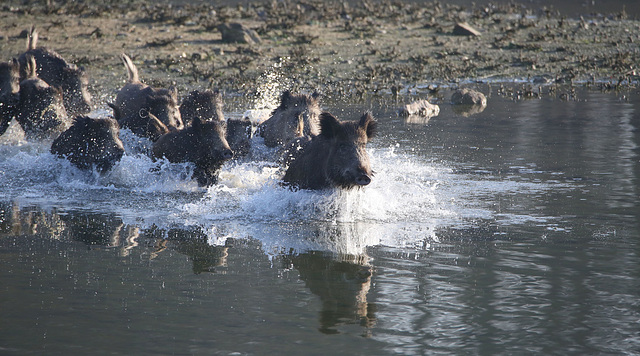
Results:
<point x="49" y="99"/>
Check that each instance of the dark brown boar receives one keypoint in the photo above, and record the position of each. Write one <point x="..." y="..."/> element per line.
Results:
<point x="296" y="116"/>
<point x="9" y="89"/>
<point x="90" y="143"/>
<point x="57" y="72"/>
<point x="143" y="124"/>
<point x="336" y="157"/>
<point x="203" y="143"/>
<point x="205" y="105"/>
<point x="136" y="96"/>
<point x="239" y="134"/>
<point x="40" y="111"/>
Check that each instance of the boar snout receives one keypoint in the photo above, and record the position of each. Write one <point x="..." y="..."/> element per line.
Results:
<point x="227" y="154"/>
<point x="363" y="179"/>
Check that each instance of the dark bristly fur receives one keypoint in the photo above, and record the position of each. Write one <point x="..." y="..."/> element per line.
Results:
<point x="9" y="92"/>
<point x="337" y="157"/>
<point x="205" y="105"/>
<point x="202" y="143"/>
<point x="40" y="111"/>
<point x="57" y="72"/>
<point x="297" y="116"/>
<point x="136" y="96"/>
<point x="90" y="143"/>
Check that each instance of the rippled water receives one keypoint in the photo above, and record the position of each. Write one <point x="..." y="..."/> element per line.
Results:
<point x="510" y="231"/>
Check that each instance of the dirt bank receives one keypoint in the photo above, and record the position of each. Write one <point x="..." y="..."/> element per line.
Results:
<point x="343" y="51"/>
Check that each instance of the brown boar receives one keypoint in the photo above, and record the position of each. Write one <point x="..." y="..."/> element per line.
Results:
<point x="136" y="96"/>
<point x="90" y="143"/>
<point x="143" y="124"/>
<point x="205" y="105"/>
<point x="57" y="72"/>
<point x="203" y="143"/>
<point x="40" y="111"/>
<point x="9" y="89"/>
<point x="239" y="134"/>
<point x="336" y="157"/>
<point x="297" y="115"/>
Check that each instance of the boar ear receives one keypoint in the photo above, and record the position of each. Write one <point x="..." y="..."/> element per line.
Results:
<point x="31" y="66"/>
<point x="369" y="125"/>
<point x="329" y="125"/>
<point x="285" y="98"/>
<point x="117" y="114"/>
<point x="315" y="95"/>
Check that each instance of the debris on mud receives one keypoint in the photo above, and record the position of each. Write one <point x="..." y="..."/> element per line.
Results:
<point x="341" y="49"/>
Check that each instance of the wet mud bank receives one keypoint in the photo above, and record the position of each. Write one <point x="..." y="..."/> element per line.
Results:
<point x="341" y="50"/>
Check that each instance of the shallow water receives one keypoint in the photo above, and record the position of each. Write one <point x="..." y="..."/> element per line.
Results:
<point x="510" y="231"/>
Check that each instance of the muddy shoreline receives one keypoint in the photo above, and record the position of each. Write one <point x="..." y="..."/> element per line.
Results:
<point x="340" y="50"/>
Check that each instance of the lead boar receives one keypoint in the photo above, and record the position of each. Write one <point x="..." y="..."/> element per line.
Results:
<point x="57" y="72"/>
<point x="143" y="124"/>
<point x="9" y="89"/>
<point x="205" y="105"/>
<point x="136" y="97"/>
<point x="90" y="143"/>
<point x="296" y="116"/>
<point x="334" y="158"/>
<point x="203" y="143"/>
<point x="40" y="111"/>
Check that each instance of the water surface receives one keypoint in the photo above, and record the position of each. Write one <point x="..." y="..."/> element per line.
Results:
<point x="510" y="231"/>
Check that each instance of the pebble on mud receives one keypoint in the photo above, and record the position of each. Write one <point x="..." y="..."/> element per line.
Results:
<point x="464" y="29"/>
<point x="421" y="108"/>
<point x="468" y="97"/>
<point x="238" y="33"/>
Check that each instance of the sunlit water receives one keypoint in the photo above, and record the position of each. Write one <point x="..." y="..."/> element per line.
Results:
<point x="510" y="231"/>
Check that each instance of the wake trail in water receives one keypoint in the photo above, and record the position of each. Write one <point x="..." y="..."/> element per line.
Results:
<point x="409" y="199"/>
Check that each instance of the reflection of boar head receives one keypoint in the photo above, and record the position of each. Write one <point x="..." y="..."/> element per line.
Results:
<point x="90" y="143"/>
<point x="296" y="116"/>
<point x="335" y="158"/>
<point x="205" y="105"/>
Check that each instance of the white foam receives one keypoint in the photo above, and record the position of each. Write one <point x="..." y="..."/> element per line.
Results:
<point x="409" y="199"/>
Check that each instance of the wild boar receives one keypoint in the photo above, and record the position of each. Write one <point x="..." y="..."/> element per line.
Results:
<point x="205" y="105"/>
<point x="336" y="157"/>
<point x="40" y="111"/>
<point x="239" y="134"/>
<point x="9" y="89"/>
<point x="143" y="124"/>
<point x="57" y="72"/>
<point x="136" y="96"/>
<point x="296" y="116"/>
<point x="90" y="143"/>
<point x="203" y="143"/>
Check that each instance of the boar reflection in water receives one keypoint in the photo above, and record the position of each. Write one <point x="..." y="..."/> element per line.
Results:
<point x="337" y="157"/>
<point x="342" y="286"/>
